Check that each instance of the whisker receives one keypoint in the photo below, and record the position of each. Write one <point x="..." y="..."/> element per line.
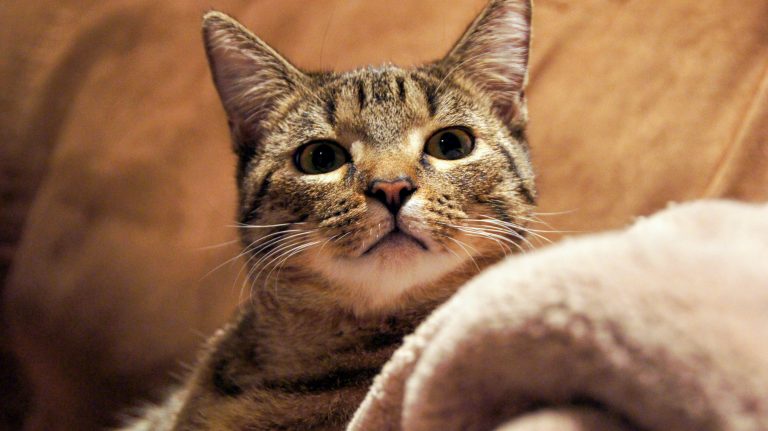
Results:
<point x="279" y="261"/>
<point x="269" y="259"/>
<point x="219" y="245"/>
<point x="556" y="213"/>
<point x="327" y="241"/>
<point x="280" y="245"/>
<point x="274" y="242"/>
<point x="550" y="230"/>
<point x="482" y="233"/>
<point x="296" y="250"/>
<point x="531" y="217"/>
<point x="339" y="238"/>
<point x="500" y="235"/>
<point x="243" y="252"/>
<point x="514" y="231"/>
<point x="263" y="226"/>
<point x="502" y="231"/>
<point x="514" y="226"/>
<point x="279" y="238"/>
<point x="504" y="247"/>
<point x="276" y="251"/>
<point x="451" y="250"/>
<point x="462" y="245"/>
<point x="508" y="230"/>
<point x="232" y="259"/>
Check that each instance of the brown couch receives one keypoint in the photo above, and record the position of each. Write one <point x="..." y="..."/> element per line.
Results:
<point x="116" y="171"/>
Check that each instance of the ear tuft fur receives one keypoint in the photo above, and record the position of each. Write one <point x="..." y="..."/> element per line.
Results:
<point x="493" y="53"/>
<point x="250" y="76"/>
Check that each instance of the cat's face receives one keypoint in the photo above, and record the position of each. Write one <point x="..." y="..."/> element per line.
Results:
<point x="379" y="182"/>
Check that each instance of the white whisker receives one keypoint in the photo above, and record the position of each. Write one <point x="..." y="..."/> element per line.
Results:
<point x="263" y="226"/>
<point x="270" y="259"/>
<point x="506" y="230"/>
<point x="482" y="233"/>
<point x="462" y="245"/>
<point x="243" y="252"/>
<point x="280" y="244"/>
<point x="295" y="251"/>
<point x="219" y="245"/>
<point x="514" y="226"/>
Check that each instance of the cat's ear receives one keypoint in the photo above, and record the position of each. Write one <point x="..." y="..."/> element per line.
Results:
<point x="250" y="76"/>
<point x="493" y="53"/>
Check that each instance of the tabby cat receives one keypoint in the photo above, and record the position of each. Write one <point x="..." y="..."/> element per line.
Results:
<point x="366" y="198"/>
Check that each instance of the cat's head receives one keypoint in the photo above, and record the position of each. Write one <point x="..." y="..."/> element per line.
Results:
<point x="380" y="183"/>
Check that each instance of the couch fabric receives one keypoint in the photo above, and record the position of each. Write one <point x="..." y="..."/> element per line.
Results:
<point x="115" y="170"/>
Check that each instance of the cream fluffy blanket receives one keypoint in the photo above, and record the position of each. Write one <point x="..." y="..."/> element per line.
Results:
<point x="663" y="326"/>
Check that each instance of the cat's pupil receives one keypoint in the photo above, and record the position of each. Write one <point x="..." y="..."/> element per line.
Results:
<point x="324" y="157"/>
<point x="450" y="145"/>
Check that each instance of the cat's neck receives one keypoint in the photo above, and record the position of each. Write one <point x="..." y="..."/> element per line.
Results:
<point x="298" y="332"/>
<point x="294" y="344"/>
<point x="297" y="313"/>
<point x="309" y="309"/>
<point x="301" y="292"/>
<point x="297" y="345"/>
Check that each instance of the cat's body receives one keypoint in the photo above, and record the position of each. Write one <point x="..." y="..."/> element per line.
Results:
<point x="367" y="199"/>
<point x="293" y="369"/>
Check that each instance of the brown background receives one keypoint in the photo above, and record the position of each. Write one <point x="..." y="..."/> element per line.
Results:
<point x="116" y="172"/>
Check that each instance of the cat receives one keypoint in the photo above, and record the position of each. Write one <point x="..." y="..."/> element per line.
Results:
<point x="366" y="198"/>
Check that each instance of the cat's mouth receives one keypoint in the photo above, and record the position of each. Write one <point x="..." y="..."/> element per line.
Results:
<point x="395" y="238"/>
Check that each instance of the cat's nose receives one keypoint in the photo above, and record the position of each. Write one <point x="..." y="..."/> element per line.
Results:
<point x="393" y="194"/>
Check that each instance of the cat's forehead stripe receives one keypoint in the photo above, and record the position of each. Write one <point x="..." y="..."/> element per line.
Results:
<point x="372" y="86"/>
<point x="401" y="89"/>
<point x="429" y="88"/>
<point x="380" y="105"/>
<point x="372" y="104"/>
<point x="330" y="110"/>
<point x="362" y="97"/>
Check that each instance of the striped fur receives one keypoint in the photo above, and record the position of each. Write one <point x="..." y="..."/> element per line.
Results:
<point x="325" y="315"/>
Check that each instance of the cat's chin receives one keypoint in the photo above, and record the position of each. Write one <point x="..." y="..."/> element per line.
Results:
<point x="378" y="279"/>
<point x="396" y="245"/>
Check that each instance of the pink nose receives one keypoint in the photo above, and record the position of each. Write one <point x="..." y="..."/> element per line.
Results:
<point x="393" y="194"/>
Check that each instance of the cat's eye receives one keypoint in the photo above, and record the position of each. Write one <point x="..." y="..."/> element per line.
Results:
<point x="450" y="144"/>
<point x="320" y="157"/>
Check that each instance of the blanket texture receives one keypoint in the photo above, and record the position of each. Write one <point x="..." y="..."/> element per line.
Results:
<point x="659" y="327"/>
